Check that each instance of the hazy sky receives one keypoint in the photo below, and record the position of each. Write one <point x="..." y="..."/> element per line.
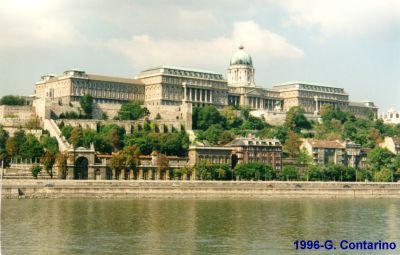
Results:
<point x="353" y="44"/>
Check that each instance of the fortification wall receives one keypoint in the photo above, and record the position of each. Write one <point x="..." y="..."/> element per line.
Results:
<point x="160" y="126"/>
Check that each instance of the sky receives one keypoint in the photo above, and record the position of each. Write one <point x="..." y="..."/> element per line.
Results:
<point x="352" y="44"/>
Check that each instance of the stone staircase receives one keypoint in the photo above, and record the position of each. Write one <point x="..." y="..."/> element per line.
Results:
<point x="51" y="126"/>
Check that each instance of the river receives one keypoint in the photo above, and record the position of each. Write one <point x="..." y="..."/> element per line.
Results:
<point x="189" y="226"/>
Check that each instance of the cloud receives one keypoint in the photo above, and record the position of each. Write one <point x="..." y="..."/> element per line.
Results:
<point x="344" y="17"/>
<point x="30" y="23"/>
<point x="146" y="51"/>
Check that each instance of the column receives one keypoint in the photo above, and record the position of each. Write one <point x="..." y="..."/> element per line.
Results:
<point x="140" y="176"/>
<point x="167" y="175"/>
<point x="70" y="173"/>
<point x="150" y="174"/>
<point x="190" y="94"/>
<point x="122" y="174"/>
<point x="316" y="105"/>
<point x="184" y="91"/>
<point x="114" y="174"/>
<point x="103" y="174"/>
<point x="211" y="98"/>
<point x="90" y="173"/>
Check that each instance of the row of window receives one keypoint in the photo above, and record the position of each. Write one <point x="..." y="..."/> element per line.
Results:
<point x="110" y="86"/>
<point x="194" y="74"/>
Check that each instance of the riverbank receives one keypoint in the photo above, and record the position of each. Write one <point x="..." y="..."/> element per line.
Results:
<point x="192" y="189"/>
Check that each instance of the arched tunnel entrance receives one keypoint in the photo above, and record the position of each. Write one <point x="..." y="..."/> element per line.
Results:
<point x="81" y="169"/>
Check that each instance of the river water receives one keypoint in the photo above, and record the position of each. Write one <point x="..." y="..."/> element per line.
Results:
<point x="144" y="226"/>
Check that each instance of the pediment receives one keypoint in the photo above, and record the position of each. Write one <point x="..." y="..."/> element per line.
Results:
<point x="255" y="92"/>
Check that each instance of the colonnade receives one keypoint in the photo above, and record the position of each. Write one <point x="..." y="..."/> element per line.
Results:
<point x="261" y="103"/>
<point x="197" y="95"/>
<point x="143" y="173"/>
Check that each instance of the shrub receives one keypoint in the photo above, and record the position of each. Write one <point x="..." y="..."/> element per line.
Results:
<point x="36" y="169"/>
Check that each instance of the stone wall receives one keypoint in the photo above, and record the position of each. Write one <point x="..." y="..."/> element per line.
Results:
<point x="193" y="189"/>
<point x="16" y="115"/>
<point x="278" y="118"/>
<point x="129" y="125"/>
<point x="111" y="110"/>
<point x="36" y="132"/>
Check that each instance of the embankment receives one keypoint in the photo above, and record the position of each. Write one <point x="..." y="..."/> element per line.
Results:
<point x="192" y="189"/>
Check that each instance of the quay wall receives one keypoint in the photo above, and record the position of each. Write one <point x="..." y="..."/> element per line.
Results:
<point x="193" y="189"/>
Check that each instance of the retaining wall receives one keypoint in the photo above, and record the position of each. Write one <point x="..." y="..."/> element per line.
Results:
<point x="192" y="189"/>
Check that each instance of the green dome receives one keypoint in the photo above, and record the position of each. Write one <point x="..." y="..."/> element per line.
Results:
<point x="240" y="57"/>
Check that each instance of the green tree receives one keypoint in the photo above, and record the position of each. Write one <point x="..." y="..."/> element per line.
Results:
<point x="207" y="171"/>
<point x="50" y="143"/>
<point x="13" y="144"/>
<point x="245" y="111"/>
<point x="61" y="161"/>
<point x="12" y="100"/>
<point x="395" y="168"/>
<point x="254" y="171"/>
<point x="116" y="163"/>
<point x="304" y="158"/>
<point x="35" y="170"/>
<point x="48" y="160"/>
<point x="289" y="173"/>
<point x="66" y="131"/>
<point x="231" y="115"/>
<point x="207" y="116"/>
<point x="76" y="138"/>
<point x="348" y="174"/>
<point x="132" y="111"/>
<point x="379" y="158"/>
<point x="328" y="113"/>
<point x="314" y="173"/>
<point x="31" y="148"/>
<point x="384" y="175"/>
<point x="174" y="144"/>
<point x="162" y="163"/>
<point x="333" y="172"/>
<point x="295" y="119"/>
<point x="115" y="139"/>
<point x="86" y="102"/>
<point x="12" y="147"/>
<point x="213" y="133"/>
<point x="253" y="123"/>
<point x="4" y="136"/>
<point x="225" y="137"/>
<point x="101" y="144"/>
<point x="292" y="144"/>
<point x="130" y="157"/>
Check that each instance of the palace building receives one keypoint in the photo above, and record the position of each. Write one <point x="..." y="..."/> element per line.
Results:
<point x="74" y="84"/>
<point x="174" y="86"/>
<point x="172" y="89"/>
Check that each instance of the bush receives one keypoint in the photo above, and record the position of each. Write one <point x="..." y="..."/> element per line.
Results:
<point x="289" y="173"/>
<point x="12" y="100"/>
<point x="254" y="171"/>
<point x="36" y="169"/>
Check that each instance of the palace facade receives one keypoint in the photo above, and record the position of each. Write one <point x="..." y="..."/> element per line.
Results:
<point x="166" y="87"/>
<point x="73" y="84"/>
